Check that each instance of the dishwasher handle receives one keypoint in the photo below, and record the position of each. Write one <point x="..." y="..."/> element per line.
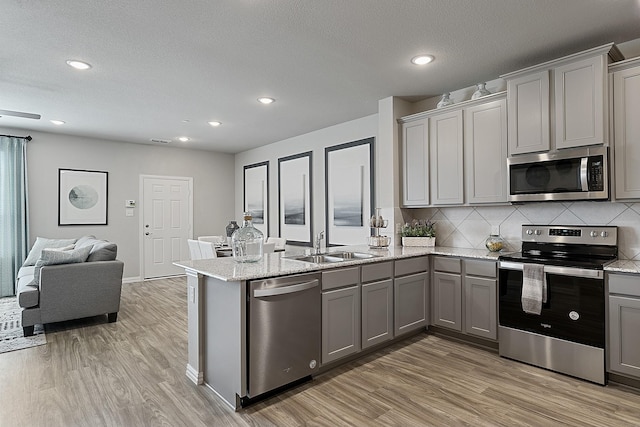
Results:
<point x="283" y="290"/>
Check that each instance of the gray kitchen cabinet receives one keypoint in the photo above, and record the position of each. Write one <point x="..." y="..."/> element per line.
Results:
<point x="528" y="112"/>
<point x="445" y="158"/>
<point x="410" y="294"/>
<point x="579" y="103"/>
<point x="626" y="132"/>
<point x="580" y="107"/>
<point x="480" y="299"/>
<point x="377" y="303"/>
<point x="415" y="163"/>
<point x="485" y="151"/>
<point x="624" y="324"/>
<point x="447" y="293"/>
<point x="340" y="313"/>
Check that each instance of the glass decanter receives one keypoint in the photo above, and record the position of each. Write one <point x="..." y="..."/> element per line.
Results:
<point x="247" y="241"/>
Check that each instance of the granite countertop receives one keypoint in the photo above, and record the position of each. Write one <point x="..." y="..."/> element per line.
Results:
<point x="278" y="263"/>
<point x="623" y="266"/>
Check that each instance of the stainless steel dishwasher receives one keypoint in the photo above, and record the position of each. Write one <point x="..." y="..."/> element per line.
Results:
<point x="284" y="331"/>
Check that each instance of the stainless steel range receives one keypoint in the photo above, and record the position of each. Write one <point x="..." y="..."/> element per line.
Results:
<point x="552" y="299"/>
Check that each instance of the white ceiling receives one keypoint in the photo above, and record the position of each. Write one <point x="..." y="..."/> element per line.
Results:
<point x="159" y="62"/>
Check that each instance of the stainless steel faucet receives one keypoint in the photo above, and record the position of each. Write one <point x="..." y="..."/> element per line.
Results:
<point x="316" y="245"/>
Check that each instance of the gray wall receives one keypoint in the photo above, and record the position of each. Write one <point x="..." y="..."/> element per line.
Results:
<point x="213" y="183"/>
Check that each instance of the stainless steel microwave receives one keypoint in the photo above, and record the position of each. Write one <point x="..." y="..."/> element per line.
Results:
<point x="572" y="174"/>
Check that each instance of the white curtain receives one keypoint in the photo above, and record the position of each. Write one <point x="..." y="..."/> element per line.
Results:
<point x="14" y="226"/>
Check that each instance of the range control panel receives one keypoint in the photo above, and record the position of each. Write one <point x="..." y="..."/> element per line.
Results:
<point x="578" y="234"/>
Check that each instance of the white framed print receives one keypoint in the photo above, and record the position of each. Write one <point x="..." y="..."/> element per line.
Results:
<point x="295" y="198"/>
<point x="82" y="197"/>
<point x="256" y="195"/>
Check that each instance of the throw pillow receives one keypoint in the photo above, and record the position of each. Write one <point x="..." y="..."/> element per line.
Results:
<point x="103" y="251"/>
<point x="42" y="243"/>
<point x="54" y="257"/>
<point x="85" y="240"/>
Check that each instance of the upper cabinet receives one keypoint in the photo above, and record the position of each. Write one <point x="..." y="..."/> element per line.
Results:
<point x="456" y="154"/>
<point x="626" y="129"/>
<point x="561" y="103"/>
<point x="485" y="151"/>
<point x="415" y="163"/>
<point x="528" y="98"/>
<point x="445" y="137"/>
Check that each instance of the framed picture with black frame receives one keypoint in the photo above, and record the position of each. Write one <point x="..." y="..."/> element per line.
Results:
<point x="256" y="195"/>
<point x="82" y="197"/>
<point x="295" y="199"/>
<point x="349" y="192"/>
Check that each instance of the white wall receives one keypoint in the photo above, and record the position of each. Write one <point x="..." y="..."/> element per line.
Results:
<point x="314" y="141"/>
<point x="213" y="183"/>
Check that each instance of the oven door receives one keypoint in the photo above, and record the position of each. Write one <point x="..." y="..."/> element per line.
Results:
<point x="574" y="310"/>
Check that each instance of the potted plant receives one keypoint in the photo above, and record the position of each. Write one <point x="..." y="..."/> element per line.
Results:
<point x="419" y="233"/>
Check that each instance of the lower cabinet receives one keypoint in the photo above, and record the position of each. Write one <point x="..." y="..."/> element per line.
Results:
<point x="340" y="323"/>
<point x="466" y="302"/>
<point x="377" y="312"/>
<point x="624" y="324"/>
<point x="410" y="294"/>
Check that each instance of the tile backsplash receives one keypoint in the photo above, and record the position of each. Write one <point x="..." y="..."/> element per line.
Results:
<point x="468" y="227"/>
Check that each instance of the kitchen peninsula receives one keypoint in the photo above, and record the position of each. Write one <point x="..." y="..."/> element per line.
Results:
<point x="218" y="295"/>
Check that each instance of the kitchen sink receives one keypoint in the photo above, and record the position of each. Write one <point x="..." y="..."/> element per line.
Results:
<point x="318" y="259"/>
<point x="353" y="255"/>
<point x="332" y="257"/>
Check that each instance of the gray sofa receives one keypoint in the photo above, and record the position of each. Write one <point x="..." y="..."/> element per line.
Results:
<point x="65" y="279"/>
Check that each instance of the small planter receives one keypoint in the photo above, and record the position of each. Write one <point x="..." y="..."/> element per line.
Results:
<point x="419" y="241"/>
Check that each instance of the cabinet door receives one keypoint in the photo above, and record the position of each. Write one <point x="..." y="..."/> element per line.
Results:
<point x="480" y="299"/>
<point x="447" y="300"/>
<point x="377" y="312"/>
<point x="415" y="163"/>
<point x="528" y="115"/>
<point x="340" y="323"/>
<point x="485" y="152"/>
<point x="624" y="345"/>
<point x="626" y="104"/>
<point x="580" y="102"/>
<point x="445" y="141"/>
<point x="410" y="303"/>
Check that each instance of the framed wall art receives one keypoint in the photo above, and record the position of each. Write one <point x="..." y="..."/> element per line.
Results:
<point x="349" y="182"/>
<point x="256" y="195"/>
<point x="295" y="198"/>
<point x="82" y="197"/>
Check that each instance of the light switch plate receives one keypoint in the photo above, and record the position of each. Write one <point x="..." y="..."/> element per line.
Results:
<point x="128" y="212"/>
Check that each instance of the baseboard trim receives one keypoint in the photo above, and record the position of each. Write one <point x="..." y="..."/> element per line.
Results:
<point x="131" y="279"/>
<point x="195" y="376"/>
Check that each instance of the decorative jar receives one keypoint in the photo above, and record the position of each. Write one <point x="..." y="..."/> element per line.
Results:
<point x="495" y="243"/>
<point x="445" y="100"/>
<point x="481" y="91"/>
<point x="247" y="241"/>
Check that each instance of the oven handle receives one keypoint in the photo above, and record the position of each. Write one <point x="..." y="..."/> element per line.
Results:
<point x="554" y="269"/>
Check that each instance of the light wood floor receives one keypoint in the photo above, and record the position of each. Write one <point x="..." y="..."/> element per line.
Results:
<point x="132" y="373"/>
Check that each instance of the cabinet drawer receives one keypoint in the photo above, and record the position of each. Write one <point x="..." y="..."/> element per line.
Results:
<point x="447" y="264"/>
<point x="480" y="268"/>
<point x="377" y="271"/>
<point x="411" y="266"/>
<point x="338" y="278"/>
<point x="624" y="284"/>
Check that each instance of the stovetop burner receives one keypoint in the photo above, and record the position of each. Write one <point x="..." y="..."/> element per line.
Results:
<point x="567" y="246"/>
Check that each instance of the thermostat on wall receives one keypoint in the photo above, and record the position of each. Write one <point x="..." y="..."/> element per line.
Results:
<point x="129" y="203"/>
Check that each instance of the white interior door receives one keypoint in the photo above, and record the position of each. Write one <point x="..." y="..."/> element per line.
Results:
<point x="167" y="223"/>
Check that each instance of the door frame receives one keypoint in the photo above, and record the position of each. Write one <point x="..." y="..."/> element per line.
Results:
<point x="142" y="177"/>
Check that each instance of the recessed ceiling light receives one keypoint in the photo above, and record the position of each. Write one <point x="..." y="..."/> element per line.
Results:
<point x="215" y="123"/>
<point x="183" y="139"/>
<point x="266" y="100"/>
<point x="57" y="122"/>
<point x="78" y="65"/>
<point x="422" y="59"/>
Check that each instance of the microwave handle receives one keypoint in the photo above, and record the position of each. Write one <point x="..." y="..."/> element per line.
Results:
<point x="584" y="173"/>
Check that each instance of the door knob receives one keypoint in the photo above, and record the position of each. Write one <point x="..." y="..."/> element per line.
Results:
<point x="147" y="233"/>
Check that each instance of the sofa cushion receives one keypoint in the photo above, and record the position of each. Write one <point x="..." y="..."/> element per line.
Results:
<point x="54" y="257"/>
<point x="102" y="249"/>
<point x="28" y="292"/>
<point x="26" y="271"/>
<point x="42" y="243"/>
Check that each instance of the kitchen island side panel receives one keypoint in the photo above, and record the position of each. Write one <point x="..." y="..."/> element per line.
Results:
<point x="225" y="339"/>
